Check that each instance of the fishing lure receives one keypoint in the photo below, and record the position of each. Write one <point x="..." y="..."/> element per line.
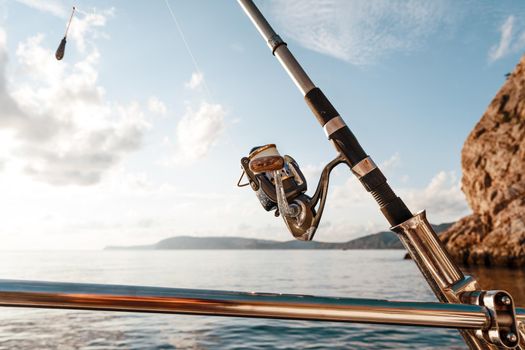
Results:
<point x="59" y="54"/>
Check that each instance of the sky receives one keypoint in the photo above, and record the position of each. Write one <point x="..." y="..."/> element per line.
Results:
<point x="132" y="138"/>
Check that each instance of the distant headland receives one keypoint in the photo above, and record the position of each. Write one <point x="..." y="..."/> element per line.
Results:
<point x="380" y="240"/>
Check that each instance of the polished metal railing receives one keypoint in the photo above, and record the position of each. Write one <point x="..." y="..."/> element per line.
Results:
<point x="242" y="304"/>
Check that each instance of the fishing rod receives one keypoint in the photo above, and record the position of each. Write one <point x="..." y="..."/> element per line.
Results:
<point x="59" y="54"/>
<point x="280" y="186"/>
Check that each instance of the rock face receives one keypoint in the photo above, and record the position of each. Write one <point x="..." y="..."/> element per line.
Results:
<point x="493" y="162"/>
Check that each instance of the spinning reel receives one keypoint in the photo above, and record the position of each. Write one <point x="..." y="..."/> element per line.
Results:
<point x="280" y="185"/>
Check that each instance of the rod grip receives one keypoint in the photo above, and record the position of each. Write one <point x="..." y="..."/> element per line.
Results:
<point x="346" y="143"/>
<point x="344" y="139"/>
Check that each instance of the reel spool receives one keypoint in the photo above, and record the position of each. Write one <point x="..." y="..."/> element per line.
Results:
<point x="280" y="185"/>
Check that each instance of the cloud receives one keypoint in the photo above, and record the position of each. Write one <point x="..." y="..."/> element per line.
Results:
<point x="156" y="106"/>
<point x="442" y="198"/>
<point x="83" y="25"/>
<point x="509" y="42"/>
<point x="359" y="32"/>
<point x="198" y="131"/>
<point x="391" y="163"/>
<point x="312" y="172"/>
<point x="351" y="211"/>
<point x="196" y="81"/>
<point x="56" y="8"/>
<point x="60" y="127"/>
<point x="352" y="190"/>
<point x="498" y="51"/>
<point x="87" y="25"/>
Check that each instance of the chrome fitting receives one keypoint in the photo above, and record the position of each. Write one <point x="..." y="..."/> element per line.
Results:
<point x="428" y="252"/>
<point x="274" y="42"/>
<point x="364" y="167"/>
<point x="333" y="125"/>
<point x="503" y="330"/>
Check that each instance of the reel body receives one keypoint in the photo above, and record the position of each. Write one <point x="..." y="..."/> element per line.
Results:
<point x="280" y="185"/>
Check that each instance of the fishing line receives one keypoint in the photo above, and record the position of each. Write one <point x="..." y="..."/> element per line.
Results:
<point x="190" y="53"/>
<point x="85" y="13"/>
<point x="70" y="19"/>
<point x="196" y="65"/>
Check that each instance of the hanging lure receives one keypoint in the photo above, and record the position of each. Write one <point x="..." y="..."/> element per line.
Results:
<point x="59" y="54"/>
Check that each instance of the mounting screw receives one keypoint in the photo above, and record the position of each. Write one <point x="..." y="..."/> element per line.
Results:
<point x="505" y="300"/>
<point x="511" y="337"/>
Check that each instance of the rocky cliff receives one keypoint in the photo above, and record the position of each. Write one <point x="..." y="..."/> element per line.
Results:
<point x="493" y="162"/>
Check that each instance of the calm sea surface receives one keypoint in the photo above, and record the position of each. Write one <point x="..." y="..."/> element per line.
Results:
<point x="370" y="274"/>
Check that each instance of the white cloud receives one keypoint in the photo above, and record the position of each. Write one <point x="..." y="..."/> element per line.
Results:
<point x="60" y="127"/>
<point x="196" y="81"/>
<point x="312" y="172"/>
<point x="87" y="25"/>
<point x="359" y="32"/>
<point x="155" y="105"/>
<point x="391" y="163"/>
<point x="351" y="211"/>
<point x="442" y="197"/>
<point x="198" y="131"/>
<point x="83" y="25"/>
<point x="56" y="8"/>
<point x="498" y="51"/>
<point x="509" y="42"/>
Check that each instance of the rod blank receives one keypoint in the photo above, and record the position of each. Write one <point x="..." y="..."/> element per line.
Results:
<point x="285" y="57"/>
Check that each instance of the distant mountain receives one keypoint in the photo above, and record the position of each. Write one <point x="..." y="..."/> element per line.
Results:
<point x="381" y="240"/>
<point x="385" y="239"/>
<point x="189" y="242"/>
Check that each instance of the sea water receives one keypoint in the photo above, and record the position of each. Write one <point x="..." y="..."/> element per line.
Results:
<point x="352" y="273"/>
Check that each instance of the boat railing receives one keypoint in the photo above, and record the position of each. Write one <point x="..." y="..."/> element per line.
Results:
<point x="107" y="297"/>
